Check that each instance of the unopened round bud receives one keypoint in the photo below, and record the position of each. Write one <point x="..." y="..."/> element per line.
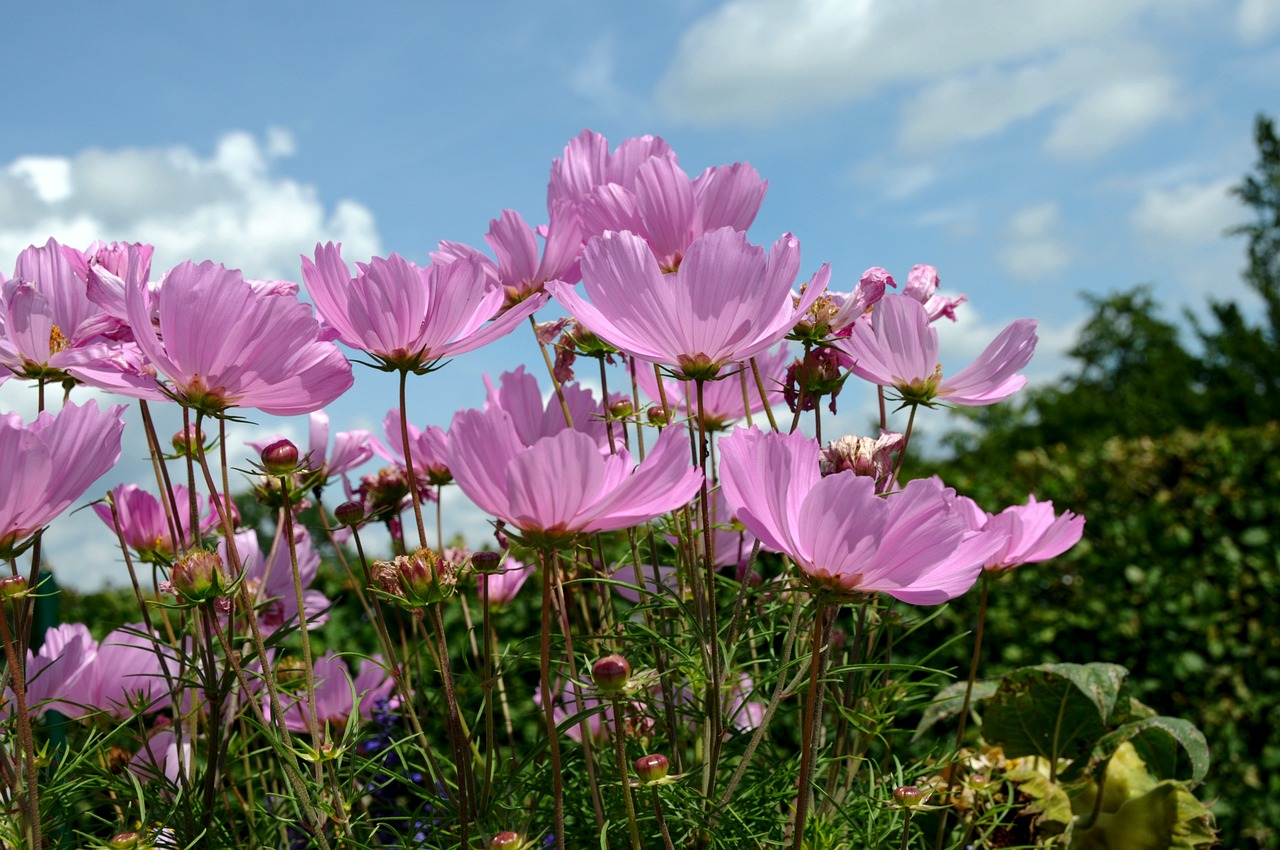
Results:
<point x="125" y="840"/>
<point x="13" y="587"/>
<point x="620" y="409"/>
<point x="280" y="458"/>
<point x="653" y="767"/>
<point x="611" y="673"/>
<point x="506" y="841"/>
<point x="908" y="796"/>
<point x="486" y="562"/>
<point x="198" y="577"/>
<point x="187" y="440"/>
<point x="657" y="416"/>
<point x="349" y="513"/>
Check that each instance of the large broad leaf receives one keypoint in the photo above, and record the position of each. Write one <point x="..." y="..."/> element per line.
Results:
<point x="947" y="703"/>
<point x="1056" y="711"/>
<point x="1171" y="747"/>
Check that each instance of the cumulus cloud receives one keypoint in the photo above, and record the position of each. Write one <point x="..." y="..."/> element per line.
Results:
<point x="231" y="207"/>
<point x="982" y="65"/>
<point x="1188" y="214"/>
<point x="1257" y="20"/>
<point x="1032" y="251"/>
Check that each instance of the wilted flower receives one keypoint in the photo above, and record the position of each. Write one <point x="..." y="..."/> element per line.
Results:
<point x="198" y="576"/>
<point x="416" y="580"/>
<point x="868" y="456"/>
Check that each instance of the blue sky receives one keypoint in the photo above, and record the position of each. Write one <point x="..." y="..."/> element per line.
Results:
<point x="1030" y="150"/>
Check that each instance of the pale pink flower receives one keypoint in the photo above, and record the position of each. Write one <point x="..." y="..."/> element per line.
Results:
<point x="1034" y="534"/>
<point x="48" y="325"/>
<point x="503" y="585"/>
<point x="51" y="463"/>
<point x="269" y="578"/>
<point x="722" y="399"/>
<point x="563" y="484"/>
<point x="729" y="301"/>
<point x="144" y="524"/>
<point x="429" y="446"/>
<point x="126" y="674"/>
<point x="915" y="545"/>
<point x="334" y="687"/>
<point x="641" y="188"/>
<point x="517" y="393"/>
<point x="66" y="656"/>
<point x="221" y="343"/>
<point x="159" y="757"/>
<point x="409" y="317"/>
<point x="899" y="349"/>
<point x="519" y="271"/>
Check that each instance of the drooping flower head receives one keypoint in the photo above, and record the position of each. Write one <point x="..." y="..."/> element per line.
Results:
<point x="914" y="545"/>
<point x="409" y="317"/>
<point x="832" y="316"/>
<point x="922" y="285"/>
<point x="729" y="301"/>
<point x="222" y="343"/>
<point x="899" y="349"/>
<point x="51" y="463"/>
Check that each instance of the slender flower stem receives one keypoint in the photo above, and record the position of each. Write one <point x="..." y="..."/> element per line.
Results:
<point x="462" y="764"/>
<point x="286" y="528"/>
<point x="662" y="821"/>
<point x="18" y="676"/>
<point x="715" y="719"/>
<point x="551" y="370"/>
<point x="162" y="478"/>
<point x="408" y="460"/>
<point x="548" y="709"/>
<point x="964" y="710"/>
<point x="906" y="441"/>
<point x="764" y="395"/>
<point x="812" y="717"/>
<point x="620" y="754"/>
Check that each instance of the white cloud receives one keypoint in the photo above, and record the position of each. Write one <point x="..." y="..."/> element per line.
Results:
<point x="1189" y="214"/>
<point x="231" y="207"/>
<point x="1257" y="20"/>
<point x="1031" y="250"/>
<point x="982" y="65"/>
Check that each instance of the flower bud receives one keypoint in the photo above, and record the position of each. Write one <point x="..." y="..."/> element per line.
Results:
<point x="486" y="562"/>
<point x="349" y="513"/>
<point x="908" y="796"/>
<point x="506" y="841"/>
<point x="653" y="767"/>
<point x="188" y="440"/>
<point x="13" y="587"/>
<point x="620" y="409"/>
<point x="656" y="415"/>
<point x="416" y="580"/>
<point x="611" y="673"/>
<point x="280" y="458"/>
<point x="198" y="576"/>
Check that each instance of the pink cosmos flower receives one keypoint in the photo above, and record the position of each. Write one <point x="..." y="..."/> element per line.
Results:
<point x="67" y="655"/>
<point x="517" y="393"/>
<point x="409" y="317"/>
<point x="641" y="188"/>
<point x="429" y="446"/>
<point x="519" y="271"/>
<point x="560" y="485"/>
<point x="899" y="349"/>
<point x="1034" y="534"/>
<point x="145" y="525"/>
<point x="722" y="399"/>
<point x="126" y="673"/>
<point x="221" y="343"/>
<point x="914" y="545"/>
<point x="334" y="686"/>
<point x="159" y="757"/>
<point x="270" y="579"/>
<point x="51" y="463"/>
<point x="728" y="302"/>
<point x="48" y="325"/>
